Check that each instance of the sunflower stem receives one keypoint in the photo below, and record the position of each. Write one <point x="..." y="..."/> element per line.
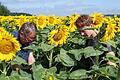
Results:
<point x="4" y="68"/>
<point x="50" y="58"/>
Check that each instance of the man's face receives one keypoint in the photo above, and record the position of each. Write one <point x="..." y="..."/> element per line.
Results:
<point x="25" y="39"/>
<point x="88" y="33"/>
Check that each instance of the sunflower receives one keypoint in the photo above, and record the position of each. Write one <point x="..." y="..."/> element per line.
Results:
<point x="3" y="19"/>
<point x="118" y="29"/>
<point x="0" y="19"/>
<point x="31" y="18"/>
<point x="21" y="20"/>
<point x="10" y="18"/>
<point x="9" y="46"/>
<point x="59" y="36"/>
<point x="41" y="22"/>
<point x="74" y="17"/>
<point x="72" y="26"/>
<point x="51" y="20"/>
<point x="72" y="20"/>
<point x="98" y="19"/>
<point x="2" y="30"/>
<point x="59" y="20"/>
<point x="110" y="30"/>
<point x="117" y="19"/>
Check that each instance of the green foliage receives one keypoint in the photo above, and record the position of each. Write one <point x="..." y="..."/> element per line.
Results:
<point x="18" y="60"/>
<point x="65" y="62"/>
<point x="65" y="59"/>
<point x="44" y="74"/>
<point x="4" y="11"/>
<point x="63" y="75"/>
<point x="46" y="47"/>
<point x="90" y="51"/>
<point x="77" y="53"/>
<point x="78" y="74"/>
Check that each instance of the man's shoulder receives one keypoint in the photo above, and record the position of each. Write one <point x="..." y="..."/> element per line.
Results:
<point x="15" y="33"/>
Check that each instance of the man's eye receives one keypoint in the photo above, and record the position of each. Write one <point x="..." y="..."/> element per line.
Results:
<point x="21" y="33"/>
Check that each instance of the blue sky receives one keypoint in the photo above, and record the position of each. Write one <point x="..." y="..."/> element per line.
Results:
<point x="63" y="7"/>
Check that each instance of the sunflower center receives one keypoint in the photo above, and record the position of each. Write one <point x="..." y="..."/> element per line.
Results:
<point x="51" y="20"/>
<point x="41" y="22"/>
<point x="1" y="30"/>
<point x="110" y="30"/>
<point x="6" y="46"/>
<point x="22" y="20"/>
<point x="98" y="20"/>
<point x="58" y="35"/>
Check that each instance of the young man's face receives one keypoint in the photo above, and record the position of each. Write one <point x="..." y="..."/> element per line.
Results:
<point x="27" y="39"/>
<point x="88" y="33"/>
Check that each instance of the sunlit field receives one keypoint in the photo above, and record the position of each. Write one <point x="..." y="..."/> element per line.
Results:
<point x="59" y="49"/>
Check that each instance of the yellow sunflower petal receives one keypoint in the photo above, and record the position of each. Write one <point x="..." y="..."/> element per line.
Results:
<point x="59" y="36"/>
<point x="98" y="19"/>
<point x="9" y="46"/>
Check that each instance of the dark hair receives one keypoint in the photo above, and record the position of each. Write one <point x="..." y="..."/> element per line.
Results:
<point x="83" y="20"/>
<point x="26" y="28"/>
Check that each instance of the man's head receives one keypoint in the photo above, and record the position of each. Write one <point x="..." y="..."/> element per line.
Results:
<point x="27" y="33"/>
<point x="85" y="21"/>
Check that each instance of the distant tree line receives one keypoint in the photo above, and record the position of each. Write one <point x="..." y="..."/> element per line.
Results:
<point x="5" y="12"/>
<point x="18" y="14"/>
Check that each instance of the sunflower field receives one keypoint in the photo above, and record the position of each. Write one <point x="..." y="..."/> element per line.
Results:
<point x="60" y="51"/>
